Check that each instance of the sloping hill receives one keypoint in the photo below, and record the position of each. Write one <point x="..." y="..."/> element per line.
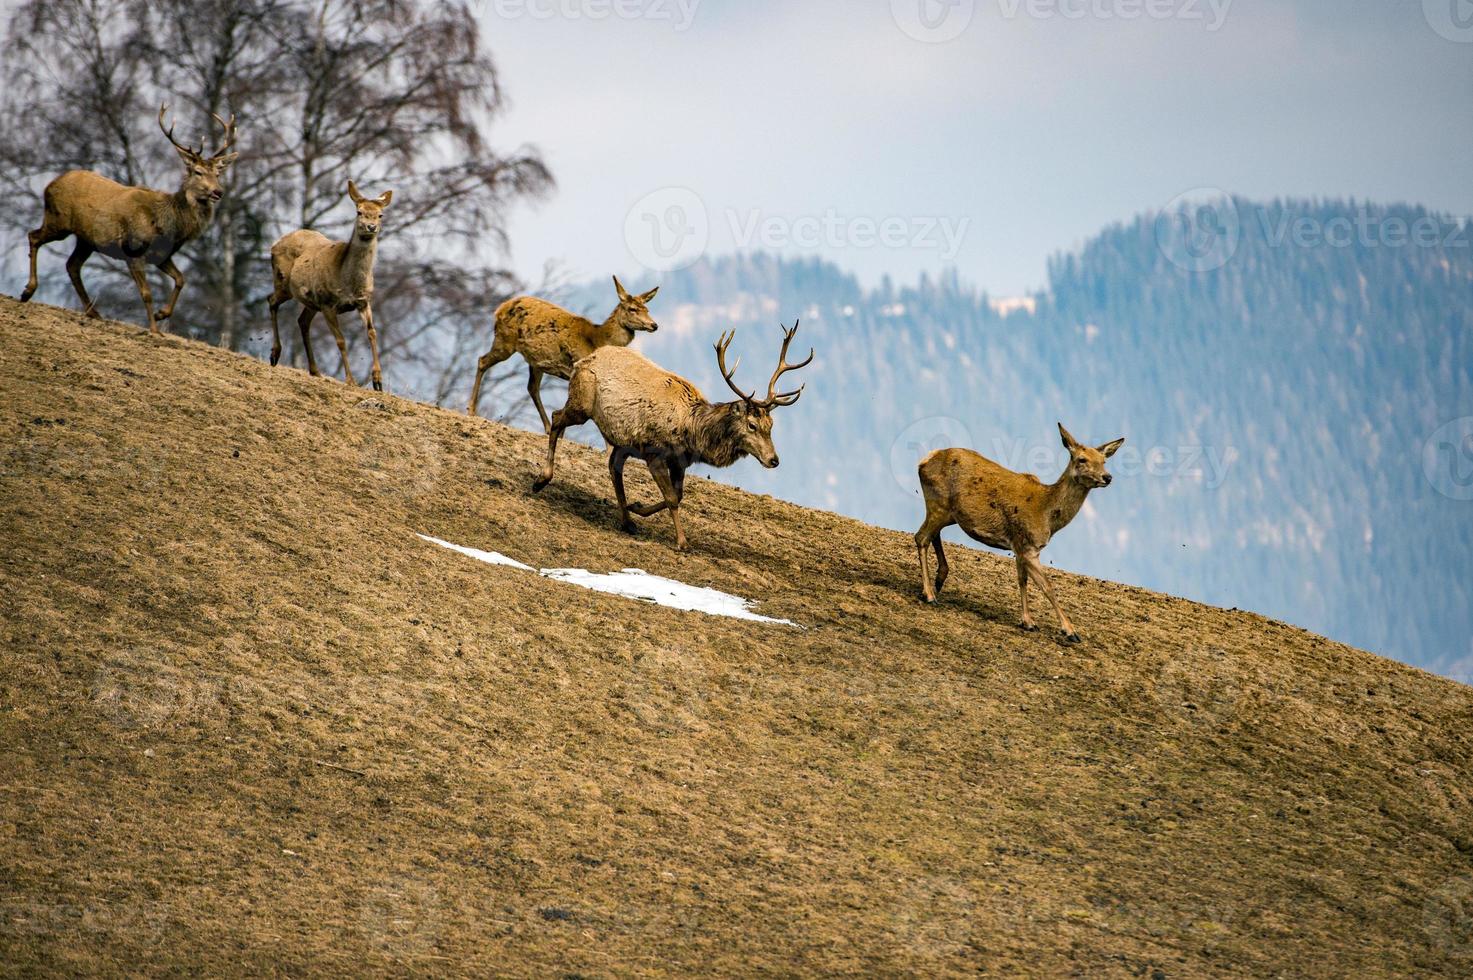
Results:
<point x="250" y="722"/>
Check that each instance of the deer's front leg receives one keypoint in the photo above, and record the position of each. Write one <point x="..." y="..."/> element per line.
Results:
<point x="168" y="268"/>
<point x="140" y="276"/>
<point x="366" y="312"/>
<point x="665" y="480"/>
<point x="331" y="316"/>
<point x="1036" y="571"/>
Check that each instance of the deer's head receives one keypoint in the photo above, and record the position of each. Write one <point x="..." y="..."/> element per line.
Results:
<point x="633" y="312"/>
<point x="1086" y="464"/>
<point x="202" y="173"/>
<point x="751" y="418"/>
<point x="370" y="212"/>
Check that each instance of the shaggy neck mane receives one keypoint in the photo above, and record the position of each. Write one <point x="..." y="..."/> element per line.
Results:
<point x="190" y="218"/>
<point x="715" y="434"/>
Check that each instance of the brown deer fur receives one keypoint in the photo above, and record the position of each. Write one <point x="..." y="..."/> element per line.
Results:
<point x="135" y="224"/>
<point x="330" y="277"/>
<point x="551" y="340"/>
<point x="1003" y="509"/>
<point x="645" y="412"/>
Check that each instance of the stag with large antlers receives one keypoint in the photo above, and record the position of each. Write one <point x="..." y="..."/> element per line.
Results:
<point x="135" y="224"/>
<point x="645" y="412"/>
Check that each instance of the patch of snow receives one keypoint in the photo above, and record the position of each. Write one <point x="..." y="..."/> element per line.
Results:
<point x="489" y="557"/>
<point x="632" y="583"/>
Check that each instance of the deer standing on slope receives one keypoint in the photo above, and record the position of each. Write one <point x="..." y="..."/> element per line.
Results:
<point x="551" y="340"/>
<point x="1003" y="509"/>
<point x="647" y="413"/>
<point x="330" y="277"/>
<point x="135" y="224"/>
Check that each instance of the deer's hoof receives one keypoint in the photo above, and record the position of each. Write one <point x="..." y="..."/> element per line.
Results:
<point x="539" y="483"/>
<point x="162" y="315"/>
<point x="1028" y="627"/>
<point x="378" y="386"/>
<point x="275" y="357"/>
<point x="628" y="527"/>
<point x="1072" y="638"/>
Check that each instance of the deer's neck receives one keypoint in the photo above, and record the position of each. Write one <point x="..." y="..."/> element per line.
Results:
<point x="190" y="217"/>
<point x="611" y="334"/>
<point x="356" y="273"/>
<point x="714" y="435"/>
<point x="1063" y="500"/>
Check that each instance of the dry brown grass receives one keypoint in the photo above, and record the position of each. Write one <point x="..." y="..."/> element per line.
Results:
<point x="248" y="722"/>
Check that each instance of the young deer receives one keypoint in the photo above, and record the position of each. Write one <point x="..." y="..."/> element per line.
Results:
<point x="135" y="224"/>
<point x="551" y="340"/>
<point x="648" y="413"/>
<point x="1007" y="510"/>
<point x="330" y="277"/>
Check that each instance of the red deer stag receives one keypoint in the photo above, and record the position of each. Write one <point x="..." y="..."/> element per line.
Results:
<point x="135" y="224"/>
<point x="1003" y="509"/>
<point x="647" y="413"/>
<point x="330" y="277"/>
<point x="551" y="340"/>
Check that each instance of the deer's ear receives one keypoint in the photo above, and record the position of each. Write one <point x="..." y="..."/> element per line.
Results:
<point x="619" y="288"/>
<point x="222" y="162"/>
<point x="189" y="157"/>
<point x="1110" y="448"/>
<point x="353" y="192"/>
<point x="646" y="297"/>
<point x="385" y="198"/>
<point x="1069" y="441"/>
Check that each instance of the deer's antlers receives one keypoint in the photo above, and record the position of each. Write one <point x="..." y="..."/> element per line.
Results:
<point x="774" y="398"/>
<point x="199" y="154"/>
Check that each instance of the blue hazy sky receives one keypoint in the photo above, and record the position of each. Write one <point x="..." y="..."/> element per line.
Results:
<point x="809" y="126"/>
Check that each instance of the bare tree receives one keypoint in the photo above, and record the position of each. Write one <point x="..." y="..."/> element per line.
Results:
<point x="393" y="93"/>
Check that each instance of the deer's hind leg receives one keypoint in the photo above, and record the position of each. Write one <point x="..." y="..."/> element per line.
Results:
<point x="74" y="264"/>
<point x="1027" y="621"/>
<point x="617" y="458"/>
<point x="499" y="352"/>
<point x="43" y="235"/>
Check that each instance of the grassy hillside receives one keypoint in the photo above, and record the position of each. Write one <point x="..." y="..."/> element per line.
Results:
<point x="248" y="721"/>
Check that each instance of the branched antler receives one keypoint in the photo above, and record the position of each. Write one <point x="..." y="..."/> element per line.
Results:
<point x="721" y="346"/>
<point x="169" y="133"/>
<point x="229" y="128"/>
<point x="774" y="398"/>
<point x="783" y="367"/>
